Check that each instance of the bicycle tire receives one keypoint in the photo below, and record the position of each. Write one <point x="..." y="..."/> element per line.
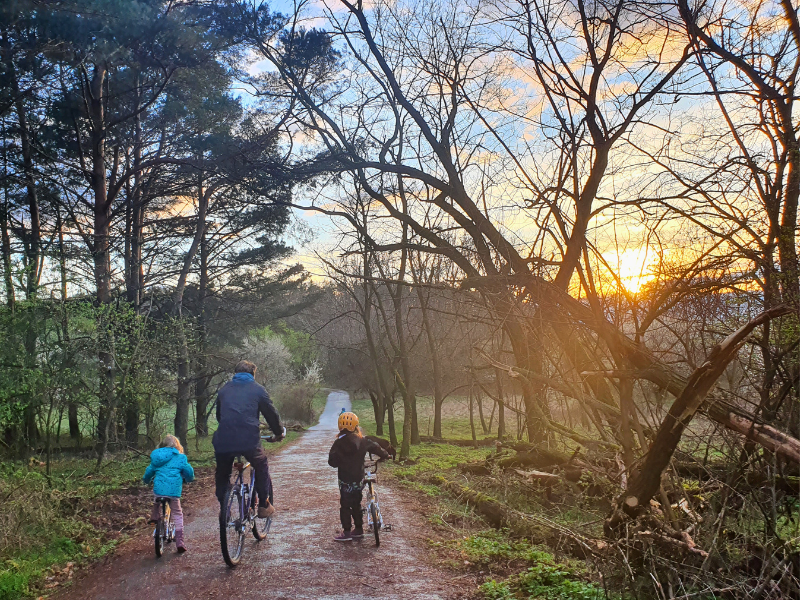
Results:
<point x="158" y="537"/>
<point x="228" y="535"/>
<point x="260" y="526"/>
<point x="376" y="523"/>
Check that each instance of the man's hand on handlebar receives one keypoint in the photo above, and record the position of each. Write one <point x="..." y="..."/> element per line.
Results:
<point x="275" y="438"/>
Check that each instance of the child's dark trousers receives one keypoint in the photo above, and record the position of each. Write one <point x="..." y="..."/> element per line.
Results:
<point x="350" y="507"/>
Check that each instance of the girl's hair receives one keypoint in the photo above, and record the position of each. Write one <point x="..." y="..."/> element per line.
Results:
<point x="170" y="441"/>
<point x="359" y="432"/>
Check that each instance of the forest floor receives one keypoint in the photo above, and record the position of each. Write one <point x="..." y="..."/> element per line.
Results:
<point x="299" y="559"/>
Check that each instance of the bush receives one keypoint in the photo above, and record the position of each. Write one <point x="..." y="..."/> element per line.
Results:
<point x="295" y="402"/>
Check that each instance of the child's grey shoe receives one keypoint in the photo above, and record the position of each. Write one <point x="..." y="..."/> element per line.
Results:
<point x="358" y="533"/>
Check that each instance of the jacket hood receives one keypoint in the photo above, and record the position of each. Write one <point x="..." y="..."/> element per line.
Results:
<point x="161" y="456"/>
<point x="243" y="378"/>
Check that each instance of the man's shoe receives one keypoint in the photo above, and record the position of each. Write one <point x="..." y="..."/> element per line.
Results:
<point x="358" y="533"/>
<point x="345" y="536"/>
<point x="265" y="512"/>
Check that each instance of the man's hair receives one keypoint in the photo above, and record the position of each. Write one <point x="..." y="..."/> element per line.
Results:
<point x="245" y="366"/>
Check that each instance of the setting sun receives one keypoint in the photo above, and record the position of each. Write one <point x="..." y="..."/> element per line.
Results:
<point x="631" y="268"/>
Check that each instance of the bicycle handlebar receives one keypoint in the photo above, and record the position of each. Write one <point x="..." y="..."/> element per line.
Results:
<point x="272" y="439"/>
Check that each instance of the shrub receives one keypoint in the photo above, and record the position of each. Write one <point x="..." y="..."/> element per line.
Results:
<point x="295" y="402"/>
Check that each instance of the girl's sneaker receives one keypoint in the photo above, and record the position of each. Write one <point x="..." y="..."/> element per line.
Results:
<point x="358" y="533"/>
<point x="181" y="549"/>
<point x="345" y="536"/>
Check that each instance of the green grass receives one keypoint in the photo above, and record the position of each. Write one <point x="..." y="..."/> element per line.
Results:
<point x="545" y="578"/>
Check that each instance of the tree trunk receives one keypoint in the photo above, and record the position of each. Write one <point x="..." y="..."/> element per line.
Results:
<point x="479" y="402"/>
<point x="390" y="421"/>
<point x="501" y="408"/>
<point x="33" y="236"/>
<point x="405" y="447"/>
<point x="438" y="394"/>
<point x="5" y="249"/>
<point x="472" y="417"/>
<point x="102" y="258"/>
<point x="201" y="394"/>
<point x="135" y="216"/>
<point x="72" y="406"/>
<point x="366" y="315"/>
<point x="183" y="397"/>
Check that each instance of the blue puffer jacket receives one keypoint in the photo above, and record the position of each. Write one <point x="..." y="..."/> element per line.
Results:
<point x="170" y="469"/>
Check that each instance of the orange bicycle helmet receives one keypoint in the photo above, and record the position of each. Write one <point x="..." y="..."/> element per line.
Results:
<point x="348" y="421"/>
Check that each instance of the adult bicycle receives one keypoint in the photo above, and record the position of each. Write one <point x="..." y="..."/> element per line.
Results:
<point x="164" y="533"/>
<point x="374" y="518"/>
<point x="239" y="512"/>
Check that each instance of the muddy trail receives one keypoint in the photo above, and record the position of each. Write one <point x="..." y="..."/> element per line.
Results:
<point x="299" y="559"/>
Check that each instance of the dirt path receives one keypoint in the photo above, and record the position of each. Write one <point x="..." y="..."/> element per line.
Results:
<point x="299" y="560"/>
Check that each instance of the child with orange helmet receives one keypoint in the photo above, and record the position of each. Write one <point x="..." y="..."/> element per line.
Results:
<point x="347" y="454"/>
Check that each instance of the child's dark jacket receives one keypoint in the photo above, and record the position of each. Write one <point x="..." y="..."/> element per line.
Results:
<point x="347" y="454"/>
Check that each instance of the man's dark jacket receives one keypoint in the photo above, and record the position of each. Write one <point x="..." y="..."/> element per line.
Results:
<point x="239" y="402"/>
<point x="347" y="454"/>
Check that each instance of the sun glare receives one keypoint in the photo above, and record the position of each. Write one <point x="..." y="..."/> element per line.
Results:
<point x="632" y="268"/>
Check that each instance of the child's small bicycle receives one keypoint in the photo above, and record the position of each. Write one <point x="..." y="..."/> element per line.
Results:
<point x="373" y="509"/>
<point x="164" y="532"/>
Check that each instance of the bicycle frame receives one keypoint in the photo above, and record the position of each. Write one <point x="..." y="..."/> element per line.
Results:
<point x="374" y="517"/>
<point x="245" y="491"/>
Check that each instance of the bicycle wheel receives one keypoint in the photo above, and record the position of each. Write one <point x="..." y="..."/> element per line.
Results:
<point x="158" y="536"/>
<point x="376" y="522"/>
<point x="260" y="526"/>
<point x="231" y="527"/>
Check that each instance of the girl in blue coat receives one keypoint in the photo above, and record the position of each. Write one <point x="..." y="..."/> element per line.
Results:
<point x="168" y="469"/>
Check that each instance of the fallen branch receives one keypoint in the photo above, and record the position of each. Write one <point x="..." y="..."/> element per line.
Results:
<point x="647" y="481"/>
<point x="538" y="475"/>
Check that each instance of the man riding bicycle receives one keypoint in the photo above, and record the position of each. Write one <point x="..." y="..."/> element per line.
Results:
<point x="239" y="403"/>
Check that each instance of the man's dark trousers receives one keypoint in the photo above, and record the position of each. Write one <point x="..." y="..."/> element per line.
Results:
<point x="258" y="461"/>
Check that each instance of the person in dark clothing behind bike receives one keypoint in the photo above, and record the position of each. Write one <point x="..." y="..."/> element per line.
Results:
<point x="347" y="454"/>
<point x="239" y="403"/>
